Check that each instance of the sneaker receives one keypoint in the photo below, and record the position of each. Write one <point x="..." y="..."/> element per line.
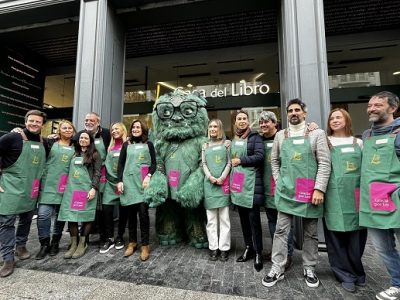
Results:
<point x="109" y="244"/>
<point x="311" y="278"/>
<point x="349" y="286"/>
<point x="119" y="243"/>
<point x="392" y="293"/>
<point x="272" y="278"/>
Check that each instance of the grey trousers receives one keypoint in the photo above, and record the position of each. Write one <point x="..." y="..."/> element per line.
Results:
<point x="310" y="244"/>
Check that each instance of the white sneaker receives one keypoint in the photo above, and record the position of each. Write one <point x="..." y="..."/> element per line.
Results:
<point x="392" y="293"/>
<point x="272" y="278"/>
<point x="311" y="278"/>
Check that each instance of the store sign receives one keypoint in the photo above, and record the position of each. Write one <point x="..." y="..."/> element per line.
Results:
<point x="234" y="89"/>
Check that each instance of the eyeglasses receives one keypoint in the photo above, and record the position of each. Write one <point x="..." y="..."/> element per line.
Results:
<point x="188" y="109"/>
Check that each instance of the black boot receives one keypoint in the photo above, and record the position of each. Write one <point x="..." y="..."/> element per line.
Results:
<point x="247" y="254"/>
<point x="55" y="245"/>
<point x="258" y="262"/>
<point x="44" y="249"/>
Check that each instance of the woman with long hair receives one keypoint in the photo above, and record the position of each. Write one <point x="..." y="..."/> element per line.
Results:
<point x="345" y="240"/>
<point x="79" y="200"/>
<point x="137" y="163"/>
<point x="52" y="188"/>
<point x="216" y="162"/>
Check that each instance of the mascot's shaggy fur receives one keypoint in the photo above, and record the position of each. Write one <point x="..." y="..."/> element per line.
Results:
<point x="180" y="125"/>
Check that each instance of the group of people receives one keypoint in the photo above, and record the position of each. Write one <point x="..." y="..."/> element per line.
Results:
<point x="302" y="171"/>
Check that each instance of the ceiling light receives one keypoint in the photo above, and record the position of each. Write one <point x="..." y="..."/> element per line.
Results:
<point x="258" y="76"/>
<point x="189" y="85"/>
<point x="396" y="73"/>
<point x="164" y="84"/>
<point x="140" y="92"/>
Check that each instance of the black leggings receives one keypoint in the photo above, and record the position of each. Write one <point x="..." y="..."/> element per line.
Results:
<point x="129" y="214"/>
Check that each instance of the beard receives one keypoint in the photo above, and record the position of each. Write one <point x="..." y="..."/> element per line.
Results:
<point x="379" y="117"/>
<point x="295" y="120"/>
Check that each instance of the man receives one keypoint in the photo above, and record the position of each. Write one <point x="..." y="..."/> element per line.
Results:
<point x="380" y="185"/>
<point x="23" y="156"/>
<point x="301" y="167"/>
<point x="268" y="124"/>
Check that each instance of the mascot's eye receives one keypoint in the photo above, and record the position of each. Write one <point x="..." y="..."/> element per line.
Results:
<point x="188" y="109"/>
<point x="165" y="110"/>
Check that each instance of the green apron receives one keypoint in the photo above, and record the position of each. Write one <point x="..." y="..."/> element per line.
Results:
<point x="216" y="196"/>
<point x="136" y="169"/>
<point x="21" y="181"/>
<point x="55" y="176"/>
<point x="100" y="147"/>
<point x="380" y="183"/>
<point x="110" y="194"/>
<point x="177" y="170"/>
<point x="75" y="207"/>
<point x="242" y="179"/>
<point x="268" y="179"/>
<point x="295" y="185"/>
<point x="343" y="193"/>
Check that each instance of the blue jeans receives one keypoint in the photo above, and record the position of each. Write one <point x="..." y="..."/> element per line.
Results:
<point x="9" y="238"/>
<point x="272" y="216"/>
<point x="385" y="244"/>
<point x="45" y="212"/>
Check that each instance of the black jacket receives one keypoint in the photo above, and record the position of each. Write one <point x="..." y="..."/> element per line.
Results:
<point x="255" y="158"/>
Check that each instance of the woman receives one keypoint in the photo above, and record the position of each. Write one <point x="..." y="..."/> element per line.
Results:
<point x="137" y="163"/>
<point x="216" y="161"/>
<point x="53" y="185"/>
<point x="111" y="195"/>
<point x="247" y="153"/>
<point x="79" y="200"/>
<point x="344" y="240"/>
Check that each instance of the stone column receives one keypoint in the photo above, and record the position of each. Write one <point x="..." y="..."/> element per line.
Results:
<point x="99" y="83"/>
<point x="302" y="57"/>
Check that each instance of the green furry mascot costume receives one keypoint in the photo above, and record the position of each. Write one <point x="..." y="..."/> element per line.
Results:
<point x="180" y="123"/>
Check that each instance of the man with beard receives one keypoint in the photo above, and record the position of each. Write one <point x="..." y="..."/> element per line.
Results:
<point x="301" y="167"/>
<point x="380" y="185"/>
<point x="23" y="157"/>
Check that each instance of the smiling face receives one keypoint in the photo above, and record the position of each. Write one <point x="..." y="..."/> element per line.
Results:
<point x="268" y="128"/>
<point x="242" y="121"/>
<point x="213" y="130"/>
<point x="296" y="114"/>
<point x="66" y="131"/>
<point x="379" y="111"/>
<point x="137" y="129"/>
<point x="337" y="122"/>
<point x="92" y="123"/>
<point x="84" y="140"/>
<point x="34" y="124"/>
<point x="116" y="131"/>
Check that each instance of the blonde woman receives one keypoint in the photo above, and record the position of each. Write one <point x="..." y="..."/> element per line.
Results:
<point x="217" y="165"/>
<point x="111" y="195"/>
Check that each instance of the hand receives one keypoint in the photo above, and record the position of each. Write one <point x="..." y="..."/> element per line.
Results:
<point x="53" y="136"/>
<point x="146" y="182"/>
<point x="317" y="197"/>
<point x="1" y="190"/>
<point x="91" y="194"/>
<point x="120" y="187"/>
<point x="220" y="181"/>
<point x="212" y="179"/>
<point x="312" y="126"/>
<point x="17" y="130"/>
<point x="236" y="162"/>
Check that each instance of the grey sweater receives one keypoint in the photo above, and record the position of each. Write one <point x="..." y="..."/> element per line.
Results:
<point x="321" y="151"/>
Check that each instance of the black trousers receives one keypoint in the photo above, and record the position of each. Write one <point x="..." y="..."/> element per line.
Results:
<point x="108" y="221"/>
<point x="251" y="227"/>
<point x="129" y="214"/>
<point x="345" y="250"/>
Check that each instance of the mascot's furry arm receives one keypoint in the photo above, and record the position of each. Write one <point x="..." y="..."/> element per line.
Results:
<point x="157" y="191"/>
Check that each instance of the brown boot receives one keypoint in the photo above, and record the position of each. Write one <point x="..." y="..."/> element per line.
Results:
<point x="130" y="249"/>
<point x="22" y="253"/>
<point x="144" y="253"/>
<point x="7" y="269"/>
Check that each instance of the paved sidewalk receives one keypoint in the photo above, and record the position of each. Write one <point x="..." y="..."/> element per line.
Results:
<point x="178" y="270"/>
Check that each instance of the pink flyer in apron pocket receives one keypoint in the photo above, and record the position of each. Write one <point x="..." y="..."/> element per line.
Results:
<point x="103" y="178"/>
<point x="380" y="199"/>
<point x="173" y="178"/>
<point x="62" y="183"/>
<point x="225" y="186"/>
<point x="35" y="188"/>
<point x="272" y="185"/>
<point x="357" y="198"/>
<point x="237" y="182"/>
<point x="144" y="170"/>
<point x="304" y="189"/>
<point x="79" y="200"/>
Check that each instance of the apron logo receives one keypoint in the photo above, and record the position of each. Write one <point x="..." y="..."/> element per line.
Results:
<point x="296" y="156"/>
<point x="64" y="158"/>
<point x="269" y="158"/>
<point x="350" y="166"/>
<point x="115" y="166"/>
<point x="376" y="160"/>
<point x="35" y="160"/>
<point x="77" y="174"/>
<point x="141" y="156"/>
<point x="218" y="159"/>
<point x="172" y="156"/>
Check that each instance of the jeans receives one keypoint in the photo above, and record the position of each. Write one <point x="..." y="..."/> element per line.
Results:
<point x="45" y="212"/>
<point x="272" y="216"/>
<point x="280" y="247"/>
<point x="385" y="244"/>
<point x="9" y="238"/>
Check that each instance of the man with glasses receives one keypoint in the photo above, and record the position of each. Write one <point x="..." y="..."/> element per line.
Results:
<point x="301" y="168"/>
